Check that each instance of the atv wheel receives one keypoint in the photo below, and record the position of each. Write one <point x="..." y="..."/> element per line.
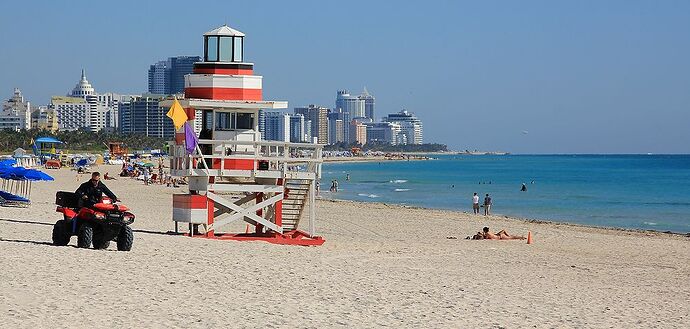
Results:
<point x="61" y="234"/>
<point x="125" y="239"/>
<point x="99" y="243"/>
<point x="85" y="236"/>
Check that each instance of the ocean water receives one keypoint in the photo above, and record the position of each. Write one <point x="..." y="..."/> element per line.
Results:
<point x="624" y="191"/>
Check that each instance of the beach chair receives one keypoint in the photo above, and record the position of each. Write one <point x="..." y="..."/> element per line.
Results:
<point x="11" y="200"/>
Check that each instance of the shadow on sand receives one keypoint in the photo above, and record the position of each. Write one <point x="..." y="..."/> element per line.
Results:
<point x="40" y="243"/>
<point x="18" y="221"/>
<point x="24" y="221"/>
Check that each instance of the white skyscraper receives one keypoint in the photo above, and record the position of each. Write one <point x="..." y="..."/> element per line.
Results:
<point x="411" y="131"/>
<point x="16" y="113"/>
<point x="102" y="109"/>
<point x="353" y="105"/>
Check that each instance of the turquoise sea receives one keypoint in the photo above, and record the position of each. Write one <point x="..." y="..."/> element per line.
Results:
<point x="624" y="191"/>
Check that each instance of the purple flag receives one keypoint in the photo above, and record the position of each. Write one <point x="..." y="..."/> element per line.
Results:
<point x="190" y="138"/>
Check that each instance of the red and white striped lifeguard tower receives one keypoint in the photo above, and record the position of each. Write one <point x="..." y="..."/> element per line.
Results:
<point x="233" y="175"/>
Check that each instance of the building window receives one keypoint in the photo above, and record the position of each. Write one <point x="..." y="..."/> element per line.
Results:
<point x="232" y="121"/>
<point x="245" y="121"/>
<point x="225" y="49"/>
<point x="212" y="49"/>
<point x="238" y="47"/>
<point x="225" y="121"/>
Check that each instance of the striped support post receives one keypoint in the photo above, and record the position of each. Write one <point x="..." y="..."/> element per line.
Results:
<point x="190" y="208"/>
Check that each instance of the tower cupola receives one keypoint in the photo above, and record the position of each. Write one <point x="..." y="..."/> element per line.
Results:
<point x="224" y="44"/>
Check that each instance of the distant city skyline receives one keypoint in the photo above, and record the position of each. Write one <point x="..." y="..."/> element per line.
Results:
<point x="523" y="77"/>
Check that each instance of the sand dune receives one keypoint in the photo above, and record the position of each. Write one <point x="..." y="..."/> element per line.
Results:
<point x="382" y="266"/>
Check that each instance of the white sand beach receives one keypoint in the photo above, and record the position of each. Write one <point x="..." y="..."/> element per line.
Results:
<point x="381" y="266"/>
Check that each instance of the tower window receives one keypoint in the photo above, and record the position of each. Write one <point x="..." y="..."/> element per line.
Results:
<point x="238" y="47"/>
<point x="212" y="49"/>
<point x="225" y="49"/>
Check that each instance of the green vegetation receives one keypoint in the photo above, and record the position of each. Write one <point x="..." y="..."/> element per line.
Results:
<point x="77" y="140"/>
<point x="385" y="147"/>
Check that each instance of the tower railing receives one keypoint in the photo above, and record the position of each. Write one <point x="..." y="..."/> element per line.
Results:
<point x="233" y="158"/>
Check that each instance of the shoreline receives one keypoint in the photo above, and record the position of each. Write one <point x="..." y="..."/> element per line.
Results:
<point x="526" y="220"/>
<point x="356" y="159"/>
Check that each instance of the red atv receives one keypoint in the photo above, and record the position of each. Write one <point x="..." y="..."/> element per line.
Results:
<point x="99" y="225"/>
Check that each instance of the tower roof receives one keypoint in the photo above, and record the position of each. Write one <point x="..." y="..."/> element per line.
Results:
<point x="83" y="87"/>
<point x="225" y="31"/>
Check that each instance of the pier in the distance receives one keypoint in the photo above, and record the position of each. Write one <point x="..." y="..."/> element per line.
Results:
<point x="233" y="175"/>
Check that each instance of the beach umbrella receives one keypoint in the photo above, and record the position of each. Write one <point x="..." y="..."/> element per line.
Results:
<point x="37" y="175"/>
<point x="148" y="164"/>
<point x="13" y="173"/>
<point x="8" y="163"/>
<point x="82" y="162"/>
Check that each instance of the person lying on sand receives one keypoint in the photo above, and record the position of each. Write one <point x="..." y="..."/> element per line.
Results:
<point x="501" y="235"/>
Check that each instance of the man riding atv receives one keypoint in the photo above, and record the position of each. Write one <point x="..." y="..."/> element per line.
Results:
<point x="93" y="218"/>
<point x="91" y="192"/>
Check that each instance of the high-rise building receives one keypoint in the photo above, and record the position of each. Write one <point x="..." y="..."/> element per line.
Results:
<point x="358" y="133"/>
<point x="338" y="132"/>
<point x="124" y="115"/>
<point x="142" y="115"/>
<point x="411" y="131"/>
<point x="167" y="77"/>
<point x="157" y="78"/>
<point x="383" y="132"/>
<point x="277" y="126"/>
<point x="350" y="104"/>
<point x="335" y="131"/>
<point x="261" y="123"/>
<point x="358" y="130"/>
<point x="100" y="107"/>
<point x="369" y="102"/>
<point x="319" y="121"/>
<point x="16" y="113"/>
<point x="297" y="129"/>
<point x="308" y="136"/>
<point x="71" y="112"/>
<point x="179" y="67"/>
<point x="44" y="118"/>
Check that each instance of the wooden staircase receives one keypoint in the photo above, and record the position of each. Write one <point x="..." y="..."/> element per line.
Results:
<point x="295" y="202"/>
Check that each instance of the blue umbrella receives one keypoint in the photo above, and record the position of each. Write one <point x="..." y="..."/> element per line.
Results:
<point x="20" y="173"/>
<point x="7" y="163"/>
<point x="13" y="173"/>
<point x="36" y="175"/>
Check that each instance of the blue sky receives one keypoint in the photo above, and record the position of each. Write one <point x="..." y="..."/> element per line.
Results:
<point x="577" y="76"/>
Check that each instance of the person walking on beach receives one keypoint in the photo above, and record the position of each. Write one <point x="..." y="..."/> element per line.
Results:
<point x="475" y="203"/>
<point x="487" y="205"/>
<point x="146" y="177"/>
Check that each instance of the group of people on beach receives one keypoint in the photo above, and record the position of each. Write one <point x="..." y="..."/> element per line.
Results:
<point x="147" y="174"/>
<point x="487" y="204"/>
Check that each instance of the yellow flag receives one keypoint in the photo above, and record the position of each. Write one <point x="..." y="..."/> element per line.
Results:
<point x="177" y="114"/>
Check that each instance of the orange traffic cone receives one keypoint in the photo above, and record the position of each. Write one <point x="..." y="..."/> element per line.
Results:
<point x="529" y="237"/>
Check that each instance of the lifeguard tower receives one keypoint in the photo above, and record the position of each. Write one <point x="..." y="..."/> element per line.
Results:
<point x="233" y="175"/>
<point x="117" y="149"/>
